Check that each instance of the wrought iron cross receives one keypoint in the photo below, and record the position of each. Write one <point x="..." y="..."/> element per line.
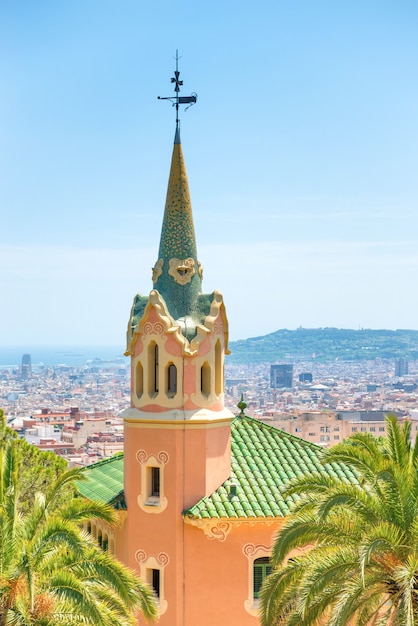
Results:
<point x="177" y="99"/>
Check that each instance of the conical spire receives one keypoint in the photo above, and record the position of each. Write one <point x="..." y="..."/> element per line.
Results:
<point x="177" y="273"/>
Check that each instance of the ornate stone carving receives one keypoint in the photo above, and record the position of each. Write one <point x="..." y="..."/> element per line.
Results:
<point x="157" y="270"/>
<point x="153" y="329"/>
<point x="250" y="549"/>
<point x="163" y="457"/>
<point x="151" y="504"/>
<point x="162" y="559"/>
<point x="220" y="531"/>
<point x="150" y="561"/>
<point x="212" y="529"/>
<point x="140" y="556"/>
<point x="218" y="328"/>
<point x="182" y="270"/>
<point x="142" y="457"/>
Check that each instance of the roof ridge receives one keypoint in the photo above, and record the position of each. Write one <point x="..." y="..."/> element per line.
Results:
<point x="115" y="457"/>
<point x="270" y="427"/>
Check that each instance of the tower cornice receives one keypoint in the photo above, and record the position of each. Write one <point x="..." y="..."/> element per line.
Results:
<point x="173" y="327"/>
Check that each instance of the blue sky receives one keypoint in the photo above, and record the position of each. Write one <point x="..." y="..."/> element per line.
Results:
<point x="301" y="154"/>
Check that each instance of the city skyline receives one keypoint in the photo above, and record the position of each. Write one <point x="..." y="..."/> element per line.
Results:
<point x="301" y="155"/>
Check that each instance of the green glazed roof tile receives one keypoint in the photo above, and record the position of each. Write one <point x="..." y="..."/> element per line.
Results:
<point x="104" y="481"/>
<point x="263" y="461"/>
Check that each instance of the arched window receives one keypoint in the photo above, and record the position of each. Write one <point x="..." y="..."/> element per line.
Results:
<point x="171" y="379"/>
<point x="152" y="368"/>
<point x="205" y="379"/>
<point x="139" y="379"/>
<point x="262" y="568"/>
<point x="218" y="369"/>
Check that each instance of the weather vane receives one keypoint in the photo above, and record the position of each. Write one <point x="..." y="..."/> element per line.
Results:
<point x="176" y="100"/>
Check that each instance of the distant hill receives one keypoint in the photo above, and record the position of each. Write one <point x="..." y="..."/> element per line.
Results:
<point x="326" y="344"/>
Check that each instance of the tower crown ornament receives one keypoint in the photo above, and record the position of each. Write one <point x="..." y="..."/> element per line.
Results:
<point x="178" y="336"/>
<point x="177" y="274"/>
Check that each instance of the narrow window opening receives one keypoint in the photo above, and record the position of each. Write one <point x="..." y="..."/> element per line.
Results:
<point x="156" y="581"/>
<point x="262" y="568"/>
<point x="155" y="482"/>
<point x="156" y="369"/>
<point x="172" y="379"/>
<point x="205" y="379"/>
<point x="218" y="368"/>
<point x="153" y="368"/>
<point x="139" y="379"/>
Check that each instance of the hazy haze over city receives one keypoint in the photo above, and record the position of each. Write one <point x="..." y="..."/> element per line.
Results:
<point x="301" y="154"/>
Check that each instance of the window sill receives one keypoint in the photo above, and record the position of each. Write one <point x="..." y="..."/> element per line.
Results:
<point x="152" y="501"/>
<point x="252" y="605"/>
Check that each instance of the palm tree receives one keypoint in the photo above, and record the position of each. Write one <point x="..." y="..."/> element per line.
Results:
<point x="51" y="572"/>
<point x="348" y="553"/>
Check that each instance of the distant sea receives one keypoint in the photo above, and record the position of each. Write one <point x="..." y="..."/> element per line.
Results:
<point x="59" y="355"/>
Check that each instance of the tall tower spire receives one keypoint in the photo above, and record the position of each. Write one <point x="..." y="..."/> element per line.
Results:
<point x="177" y="273"/>
<point x="177" y="428"/>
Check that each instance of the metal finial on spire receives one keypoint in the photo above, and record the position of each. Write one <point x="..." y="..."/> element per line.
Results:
<point x="177" y="99"/>
<point x="242" y="406"/>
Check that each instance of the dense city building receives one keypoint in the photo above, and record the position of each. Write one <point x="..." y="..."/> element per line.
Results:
<point x="281" y="375"/>
<point x="401" y="367"/>
<point x="26" y="368"/>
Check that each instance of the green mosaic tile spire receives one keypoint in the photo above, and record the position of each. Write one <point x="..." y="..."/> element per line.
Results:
<point x="177" y="274"/>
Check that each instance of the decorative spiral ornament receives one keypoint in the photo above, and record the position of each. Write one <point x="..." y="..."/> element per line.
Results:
<point x="163" y="558"/>
<point x="220" y="531"/>
<point x="140" y="556"/>
<point x="163" y="457"/>
<point x="141" y="456"/>
<point x="249" y="549"/>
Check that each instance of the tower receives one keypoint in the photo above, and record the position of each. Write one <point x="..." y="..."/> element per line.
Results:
<point x="26" y="367"/>
<point x="281" y="375"/>
<point x="401" y="367"/>
<point x="177" y="429"/>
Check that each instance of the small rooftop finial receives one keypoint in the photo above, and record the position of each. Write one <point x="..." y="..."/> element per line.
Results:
<point x="177" y="99"/>
<point x="242" y="405"/>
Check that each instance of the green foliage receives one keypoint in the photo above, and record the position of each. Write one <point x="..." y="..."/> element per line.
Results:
<point x="348" y="554"/>
<point x="38" y="469"/>
<point x="51" y="572"/>
<point x="327" y="344"/>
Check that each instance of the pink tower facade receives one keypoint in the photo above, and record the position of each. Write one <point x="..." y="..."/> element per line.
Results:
<point x="177" y="430"/>
<point x="199" y="491"/>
